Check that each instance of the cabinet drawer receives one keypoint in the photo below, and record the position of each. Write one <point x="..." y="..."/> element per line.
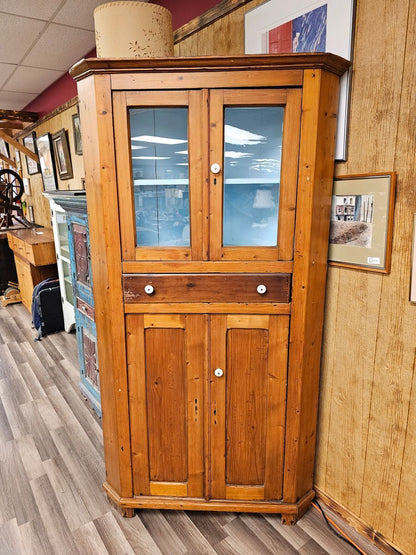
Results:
<point x="86" y="309"/>
<point x="211" y="288"/>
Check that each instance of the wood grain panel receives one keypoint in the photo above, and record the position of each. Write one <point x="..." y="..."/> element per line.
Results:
<point x="246" y="375"/>
<point x="207" y="288"/>
<point x="319" y="104"/>
<point x="166" y="404"/>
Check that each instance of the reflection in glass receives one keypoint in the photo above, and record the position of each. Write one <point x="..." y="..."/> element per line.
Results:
<point x="252" y="158"/>
<point x="159" y="155"/>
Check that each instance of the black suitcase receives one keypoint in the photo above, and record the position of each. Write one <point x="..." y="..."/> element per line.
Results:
<point x="47" y="314"/>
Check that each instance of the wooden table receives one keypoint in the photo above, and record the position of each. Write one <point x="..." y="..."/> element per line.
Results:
<point x="35" y="259"/>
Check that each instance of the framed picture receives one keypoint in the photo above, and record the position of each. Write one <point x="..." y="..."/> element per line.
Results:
<point x="62" y="156"/>
<point x="30" y="143"/>
<point x="46" y="161"/>
<point x="279" y="26"/>
<point x="4" y="148"/>
<point x="26" y="185"/>
<point x="77" y="133"/>
<point x="361" y="229"/>
<point x="31" y="216"/>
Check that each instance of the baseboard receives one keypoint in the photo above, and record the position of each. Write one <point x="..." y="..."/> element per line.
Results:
<point x="359" y="525"/>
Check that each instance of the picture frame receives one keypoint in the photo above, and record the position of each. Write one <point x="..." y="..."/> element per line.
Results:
<point x="361" y="230"/>
<point x="62" y="155"/>
<point x="47" y="162"/>
<point x="281" y="26"/>
<point x="76" y="127"/>
<point x="30" y="142"/>
<point x="26" y="185"/>
<point x="30" y="214"/>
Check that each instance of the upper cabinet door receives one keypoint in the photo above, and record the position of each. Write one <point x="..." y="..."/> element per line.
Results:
<point x="254" y="138"/>
<point x="159" y="165"/>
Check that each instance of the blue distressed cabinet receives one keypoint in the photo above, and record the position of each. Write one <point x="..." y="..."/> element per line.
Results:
<point x="75" y="205"/>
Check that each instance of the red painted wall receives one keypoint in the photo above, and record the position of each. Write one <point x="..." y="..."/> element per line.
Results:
<point x="65" y="87"/>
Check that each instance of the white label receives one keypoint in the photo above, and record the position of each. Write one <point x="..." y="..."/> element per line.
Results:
<point x="373" y="260"/>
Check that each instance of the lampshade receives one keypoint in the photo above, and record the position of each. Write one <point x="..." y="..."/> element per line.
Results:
<point x="133" y="30"/>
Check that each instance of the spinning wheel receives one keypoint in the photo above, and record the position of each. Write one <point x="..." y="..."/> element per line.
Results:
<point x="11" y="186"/>
<point x="11" y="190"/>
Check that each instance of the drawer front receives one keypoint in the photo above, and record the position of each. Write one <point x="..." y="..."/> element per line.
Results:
<point x="85" y="309"/>
<point x="207" y="288"/>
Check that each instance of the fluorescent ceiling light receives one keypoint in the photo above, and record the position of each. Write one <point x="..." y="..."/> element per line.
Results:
<point x="136" y="147"/>
<point x="158" y="140"/>
<point x="182" y="164"/>
<point x="182" y="152"/>
<point x="234" y="154"/>
<point x="236" y="136"/>
<point x="151" y="157"/>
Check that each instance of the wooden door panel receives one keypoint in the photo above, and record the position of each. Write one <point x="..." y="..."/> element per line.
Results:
<point x="166" y="365"/>
<point x="166" y="404"/>
<point x="247" y="415"/>
<point x="247" y="352"/>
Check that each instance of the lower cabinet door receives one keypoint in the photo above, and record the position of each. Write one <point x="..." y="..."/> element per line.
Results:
<point x="207" y="404"/>
<point x="167" y="370"/>
<point x="248" y="375"/>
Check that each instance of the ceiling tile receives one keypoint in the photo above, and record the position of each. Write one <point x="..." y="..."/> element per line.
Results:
<point x="5" y="71"/>
<point x="16" y="36"/>
<point x="39" y="9"/>
<point x="31" y="80"/>
<point x="51" y="51"/>
<point x="78" y="13"/>
<point x="15" y="101"/>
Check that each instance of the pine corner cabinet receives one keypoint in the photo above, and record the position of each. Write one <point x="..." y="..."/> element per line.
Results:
<point x="209" y="190"/>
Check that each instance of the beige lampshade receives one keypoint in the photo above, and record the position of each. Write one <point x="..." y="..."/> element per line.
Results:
<point x="133" y="30"/>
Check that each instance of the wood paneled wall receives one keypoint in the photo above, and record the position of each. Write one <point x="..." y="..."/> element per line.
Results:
<point x="62" y="120"/>
<point x="366" y="458"/>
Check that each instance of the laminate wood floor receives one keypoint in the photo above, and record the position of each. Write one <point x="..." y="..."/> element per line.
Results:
<point x="51" y="471"/>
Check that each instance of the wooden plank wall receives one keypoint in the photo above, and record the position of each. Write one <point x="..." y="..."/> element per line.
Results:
<point x="367" y="430"/>
<point x="62" y="120"/>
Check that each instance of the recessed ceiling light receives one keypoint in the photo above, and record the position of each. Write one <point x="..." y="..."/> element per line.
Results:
<point x="236" y="136"/>
<point x="151" y="157"/>
<point x="158" y="140"/>
<point x="234" y="154"/>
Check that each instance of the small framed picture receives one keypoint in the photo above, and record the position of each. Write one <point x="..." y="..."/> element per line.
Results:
<point x="46" y="161"/>
<point x="77" y="133"/>
<point x="30" y="143"/>
<point x="62" y="155"/>
<point x="30" y="215"/>
<point x="26" y="185"/>
<point x="361" y="229"/>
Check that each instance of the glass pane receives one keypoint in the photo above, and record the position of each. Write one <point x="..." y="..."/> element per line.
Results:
<point x="252" y="158"/>
<point x="68" y="282"/>
<point x="62" y="232"/>
<point x="159" y="154"/>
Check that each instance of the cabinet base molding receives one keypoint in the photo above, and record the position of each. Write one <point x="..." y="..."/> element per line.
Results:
<point x="290" y="512"/>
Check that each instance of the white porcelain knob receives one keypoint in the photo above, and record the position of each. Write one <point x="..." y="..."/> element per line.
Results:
<point x="149" y="289"/>
<point x="215" y="168"/>
<point x="261" y="289"/>
<point x="219" y="372"/>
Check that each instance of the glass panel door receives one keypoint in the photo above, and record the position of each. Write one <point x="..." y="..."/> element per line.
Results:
<point x="252" y="160"/>
<point x="253" y="178"/>
<point x="159" y="151"/>
<point x="159" y="154"/>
